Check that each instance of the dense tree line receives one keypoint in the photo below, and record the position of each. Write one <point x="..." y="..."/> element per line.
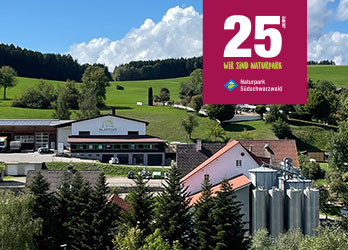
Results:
<point x="157" y="69"/>
<point x="323" y="62"/>
<point x="35" y="64"/>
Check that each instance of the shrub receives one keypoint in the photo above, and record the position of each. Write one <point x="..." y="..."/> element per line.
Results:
<point x="281" y="129"/>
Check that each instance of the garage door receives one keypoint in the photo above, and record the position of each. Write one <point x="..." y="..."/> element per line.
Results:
<point x="12" y="170"/>
<point x="27" y="168"/>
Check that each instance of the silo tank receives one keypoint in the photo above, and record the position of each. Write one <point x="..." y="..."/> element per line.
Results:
<point x="311" y="210"/>
<point x="276" y="211"/>
<point x="294" y="208"/>
<point x="259" y="209"/>
<point x="263" y="177"/>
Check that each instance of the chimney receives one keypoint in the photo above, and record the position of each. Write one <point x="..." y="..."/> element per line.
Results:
<point x="199" y="145"/>
<point x="251" y="148"/>
<point x="113" y="111"/>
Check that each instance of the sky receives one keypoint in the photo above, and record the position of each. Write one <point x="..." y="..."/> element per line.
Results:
<point x="117" y="31"/>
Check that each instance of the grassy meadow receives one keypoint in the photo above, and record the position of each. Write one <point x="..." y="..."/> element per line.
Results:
<point x="165" y="121"/>
<point x="337" y="74"/>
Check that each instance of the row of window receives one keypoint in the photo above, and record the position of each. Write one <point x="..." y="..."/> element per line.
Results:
<point x="153" y="146"/>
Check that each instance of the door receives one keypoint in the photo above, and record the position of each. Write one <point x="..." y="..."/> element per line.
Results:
<point x="12" y="170"/>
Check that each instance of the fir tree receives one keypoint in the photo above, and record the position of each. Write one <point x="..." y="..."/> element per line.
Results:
<point x="150" y="96"/>
<point x="228" y="223"/>
<point x="172" y="214"/>
<point x="79" y="226"/>
<point x="102" y="215"/>
<point x="203" y="217"/>
<point x="43" y="206"/>
<point x="64" y="204"/>
<point x="140" y="213"/>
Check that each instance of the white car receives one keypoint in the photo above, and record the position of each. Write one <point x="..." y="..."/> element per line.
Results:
<point x="114" y="160"/>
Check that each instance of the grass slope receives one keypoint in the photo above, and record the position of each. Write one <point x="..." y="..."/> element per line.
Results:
<point x="337" y="74"/>
<point x="165" y="121"/>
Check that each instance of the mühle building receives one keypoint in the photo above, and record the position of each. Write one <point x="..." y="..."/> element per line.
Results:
<point x="100" y="137"/>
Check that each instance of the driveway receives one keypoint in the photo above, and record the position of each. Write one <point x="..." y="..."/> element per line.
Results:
<point x="36" y="158"/>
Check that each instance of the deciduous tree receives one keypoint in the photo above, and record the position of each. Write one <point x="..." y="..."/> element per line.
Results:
<point x="7" y="78"/>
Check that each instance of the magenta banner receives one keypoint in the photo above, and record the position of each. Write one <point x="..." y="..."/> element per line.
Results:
<point x="255" y="52"/>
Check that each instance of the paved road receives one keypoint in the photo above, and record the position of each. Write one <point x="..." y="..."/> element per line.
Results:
<point x="36" y="157"/>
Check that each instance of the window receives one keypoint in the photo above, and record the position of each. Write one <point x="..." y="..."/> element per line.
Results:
<point x="24" y="138"/>
<point x="100" y="146"/>
<point x="108" y="146"/>
<point x="84" y="133"/>
<point x="206" y="177"/>
<point x="238" y="163"/>
<point x="133" y="132"/>
<point x="117" y="146"/>
<point x="90" y="146"/>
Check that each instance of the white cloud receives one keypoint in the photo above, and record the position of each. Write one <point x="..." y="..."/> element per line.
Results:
<point x="331" y="46"/>
<point x="178" y="34"/>
<point x="318" y="15"/>
<point x="342" y="10"/>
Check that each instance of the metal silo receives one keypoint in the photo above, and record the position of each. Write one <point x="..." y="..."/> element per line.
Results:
<point x="263" y="177"/>
<point x="276" y="211"/>
<point x="294" y="208"/>
<point x="259" y="209"/>
<point x="311" y="210"/>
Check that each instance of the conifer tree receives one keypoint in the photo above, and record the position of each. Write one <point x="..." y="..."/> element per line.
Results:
<point x="203" y="216"/>
<point x="64" y="202"/>
<point x="172" y="214"/>
<point x="228" y="224"/>
<point x="43" y="205"/>
<point x="102" y="215"/>
<point x="140" y="201"/>
<point x="79" y="226"/>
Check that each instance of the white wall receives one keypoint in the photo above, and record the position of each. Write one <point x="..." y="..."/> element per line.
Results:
<point x="223" y="167"/>
<point x="63" y="134"/>
<point x="108" y="125"/>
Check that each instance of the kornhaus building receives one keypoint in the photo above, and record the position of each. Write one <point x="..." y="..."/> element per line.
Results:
<point x="100" y="137"/>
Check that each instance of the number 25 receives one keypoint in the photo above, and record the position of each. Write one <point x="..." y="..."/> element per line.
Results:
<point x="232" y="48"/>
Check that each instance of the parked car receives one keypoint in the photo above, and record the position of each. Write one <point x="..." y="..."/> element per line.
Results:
<point x="130" y="175"/>
<point x="45" y="151"/>
<point x="114" y="160"/>
<point x="145" y="173"/>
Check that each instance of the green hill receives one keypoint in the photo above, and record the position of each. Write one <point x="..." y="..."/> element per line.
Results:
<point x="337" y="74"/>
<point x="165" y="121"/>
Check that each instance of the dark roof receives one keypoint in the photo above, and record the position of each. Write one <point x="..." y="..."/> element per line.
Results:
<point x="113" y="138"/>
<point x="32" y="122"/>
<point x="91" y="118"/>
<point x="188" y="157"/>
<point x="54" y="177"/>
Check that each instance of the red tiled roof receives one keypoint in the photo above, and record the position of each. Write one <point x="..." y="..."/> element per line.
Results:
<point x="236" y="182"/>
<point x="119" y="202"/>
<point x="277" y="150"/>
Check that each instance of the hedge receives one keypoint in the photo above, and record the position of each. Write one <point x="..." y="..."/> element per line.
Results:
<point x="108" y="169"/>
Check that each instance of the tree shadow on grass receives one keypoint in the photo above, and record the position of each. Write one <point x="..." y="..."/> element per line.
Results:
<point x="235" y="127"/>
<point x="302" y="145"/>
<point x="117" y="108"/>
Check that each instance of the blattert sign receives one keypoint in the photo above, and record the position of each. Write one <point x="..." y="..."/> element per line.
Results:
<point x="255" y="52"/>
<point x="107" y="126"/>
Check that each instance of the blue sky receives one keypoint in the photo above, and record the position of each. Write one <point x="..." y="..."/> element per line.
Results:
<point x="54" y="25"/>
<point x="114" y="32"/>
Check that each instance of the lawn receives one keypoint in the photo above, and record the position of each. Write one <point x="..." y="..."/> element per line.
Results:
<point x="337" y="74"/>
<point x="164" y="121"/>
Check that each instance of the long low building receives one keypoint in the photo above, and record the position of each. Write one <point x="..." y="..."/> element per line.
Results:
<point x="100" y="138"/>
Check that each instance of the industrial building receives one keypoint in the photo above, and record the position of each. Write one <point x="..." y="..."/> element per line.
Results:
<point x="99" y="138"/>
<point x="276" y="197"/>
